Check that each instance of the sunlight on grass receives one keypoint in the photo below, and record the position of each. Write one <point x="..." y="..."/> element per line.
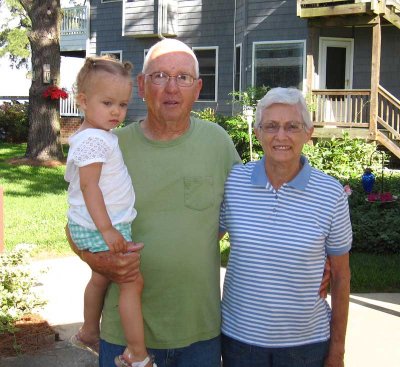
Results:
<point x="35" y="204"/>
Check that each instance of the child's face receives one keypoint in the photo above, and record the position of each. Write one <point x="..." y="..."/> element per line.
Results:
<point x="105" y="101"/>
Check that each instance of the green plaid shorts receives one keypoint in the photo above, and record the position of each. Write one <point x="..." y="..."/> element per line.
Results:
<point x="91" y="239"/>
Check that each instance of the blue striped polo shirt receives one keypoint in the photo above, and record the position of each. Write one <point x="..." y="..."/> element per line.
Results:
<point x="279" y="242"/>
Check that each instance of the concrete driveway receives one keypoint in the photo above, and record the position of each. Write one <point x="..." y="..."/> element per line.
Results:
<point x="373" y="337"/>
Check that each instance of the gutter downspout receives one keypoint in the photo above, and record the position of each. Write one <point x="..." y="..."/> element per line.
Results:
<point x="234" y="57"/>
<point x="160" y="19"/>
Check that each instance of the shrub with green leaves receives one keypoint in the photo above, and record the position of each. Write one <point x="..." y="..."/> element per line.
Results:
<point x="237" y="127"/>
<point x="14" y="122"/>
<point x="343" y="158"/>
<point x="17" y="298"/>
<point x="376" y="227"/>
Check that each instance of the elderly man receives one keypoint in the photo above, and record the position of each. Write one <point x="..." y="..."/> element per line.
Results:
<point x="284" y="217"/>
<point x="178" y="165"/>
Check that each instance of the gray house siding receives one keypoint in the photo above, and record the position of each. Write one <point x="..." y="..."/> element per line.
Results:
<point x="270" y="21"/>
<point x="208" y="23"/>
<point x="390" y="60"/>
<point x="215" y="23"/>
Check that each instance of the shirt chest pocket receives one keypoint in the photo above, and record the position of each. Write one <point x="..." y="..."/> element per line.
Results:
<point x="198" y="192"/>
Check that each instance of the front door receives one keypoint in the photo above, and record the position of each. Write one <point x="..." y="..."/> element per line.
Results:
<point x="335" y="72"/>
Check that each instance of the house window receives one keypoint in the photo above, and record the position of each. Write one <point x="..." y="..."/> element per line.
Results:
<point x="238" y="69"/>
<point x="116" y="54"/>
<point x="279" y="64"/>
<point x="208" y="66"/>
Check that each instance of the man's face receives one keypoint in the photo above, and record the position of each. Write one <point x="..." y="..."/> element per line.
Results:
<point x="285" y="144"/>
<point x="169" y="103"/>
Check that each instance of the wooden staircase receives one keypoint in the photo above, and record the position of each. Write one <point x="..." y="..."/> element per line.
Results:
<point x="388" y="121"/>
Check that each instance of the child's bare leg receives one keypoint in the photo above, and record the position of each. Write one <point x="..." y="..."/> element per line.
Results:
<point x="93" y="305"/>
<point x="130" y="309"/>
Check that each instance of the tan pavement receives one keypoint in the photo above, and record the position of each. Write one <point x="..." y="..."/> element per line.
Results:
<point x="373" y="338"/>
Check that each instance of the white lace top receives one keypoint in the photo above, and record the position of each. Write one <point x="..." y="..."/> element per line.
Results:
<point x="91" y="146"/>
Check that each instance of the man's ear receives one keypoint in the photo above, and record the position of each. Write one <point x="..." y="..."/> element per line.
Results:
<point x="140" y="84"/>
<point x="198" y="87"/>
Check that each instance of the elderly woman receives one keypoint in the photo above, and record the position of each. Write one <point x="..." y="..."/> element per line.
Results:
<point x="284" y="218"/>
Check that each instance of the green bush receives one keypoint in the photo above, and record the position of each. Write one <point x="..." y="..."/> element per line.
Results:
<point x="376" y="227"/>
<point x="237" y="127"/>
<point x="343" y="158"/>
<point x="16" y="282"/>
<point x="14" y="122"/>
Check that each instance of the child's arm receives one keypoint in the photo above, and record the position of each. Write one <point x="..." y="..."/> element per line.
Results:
<point x="89" y="181"/>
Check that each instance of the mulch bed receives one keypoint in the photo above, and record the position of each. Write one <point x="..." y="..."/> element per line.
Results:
<point x="34" y="334"/>
<point x="34" y="162"/>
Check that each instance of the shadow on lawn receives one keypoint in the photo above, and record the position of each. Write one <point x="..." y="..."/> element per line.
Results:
<point x="29" y="181"/>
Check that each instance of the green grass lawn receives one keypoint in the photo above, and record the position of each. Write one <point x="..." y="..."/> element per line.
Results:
<point x="35" y="205"/>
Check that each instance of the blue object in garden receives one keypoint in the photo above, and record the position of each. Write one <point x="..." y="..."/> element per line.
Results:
<point x="368" y="180"/>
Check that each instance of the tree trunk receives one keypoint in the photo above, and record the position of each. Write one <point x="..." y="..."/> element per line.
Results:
<point x="44" y="141"/>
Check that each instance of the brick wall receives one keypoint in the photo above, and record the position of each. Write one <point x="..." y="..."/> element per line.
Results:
<point x="68" y="126"/>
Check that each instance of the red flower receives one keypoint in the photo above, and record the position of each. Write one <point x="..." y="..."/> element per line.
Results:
<point x="53" y="92"/>
<point x="386" y="196"/>
<point x="383" y="197"/>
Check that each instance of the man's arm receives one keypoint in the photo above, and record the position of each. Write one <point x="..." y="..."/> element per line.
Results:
<point x="118" y="267"/>
<point x="340" y="295"/>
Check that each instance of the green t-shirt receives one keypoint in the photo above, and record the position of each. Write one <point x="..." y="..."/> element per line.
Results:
<point x="179" y="187"/>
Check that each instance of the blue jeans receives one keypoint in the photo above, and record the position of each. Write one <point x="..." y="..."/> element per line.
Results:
<point x="238" y="354"/>
<point x="205" y="353"/>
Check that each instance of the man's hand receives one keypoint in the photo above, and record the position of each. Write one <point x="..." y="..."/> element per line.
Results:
<point x="326" y="278"/>
<point x="119" y="268"/>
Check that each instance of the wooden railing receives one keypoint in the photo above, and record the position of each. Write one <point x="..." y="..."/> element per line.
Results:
<point x="75" y="20"/>
<point x="68" y="106"/>
<point x="388" y="113"/>
<point x="340" y="107"/>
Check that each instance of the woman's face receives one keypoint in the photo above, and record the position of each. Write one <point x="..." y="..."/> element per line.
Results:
<point x="282" y="133"/>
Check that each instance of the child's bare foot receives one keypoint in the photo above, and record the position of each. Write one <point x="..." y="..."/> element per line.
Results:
<point x="79" y="340"/>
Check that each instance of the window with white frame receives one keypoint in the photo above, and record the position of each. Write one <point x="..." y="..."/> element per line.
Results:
<point x="238" y="69"/>
<point x="279" y="64"/>
<point x="208" y="67"/>
<point x="117" y="54"/>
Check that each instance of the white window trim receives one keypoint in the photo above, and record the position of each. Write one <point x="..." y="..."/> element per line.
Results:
<point x="271" y="42"/>
<point x="112" y="52"/>
<point x="319" y="79"/>
<point x="216" y="48"/>
<point x="109" y="1"/>
<point x="239" y="45"/>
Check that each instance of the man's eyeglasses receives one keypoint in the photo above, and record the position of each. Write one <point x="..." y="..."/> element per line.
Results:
<point x="289" y="127"/>
<point x="161" y="78"/>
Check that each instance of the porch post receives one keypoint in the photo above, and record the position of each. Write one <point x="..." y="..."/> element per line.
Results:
<point x="312" y="42"/>
<point x="1" y="221"/>
<point x="375" y="74"/>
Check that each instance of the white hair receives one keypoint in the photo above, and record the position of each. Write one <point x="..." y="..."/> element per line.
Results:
<point x="290" y="96"/>
<point x="171" y="45"/>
